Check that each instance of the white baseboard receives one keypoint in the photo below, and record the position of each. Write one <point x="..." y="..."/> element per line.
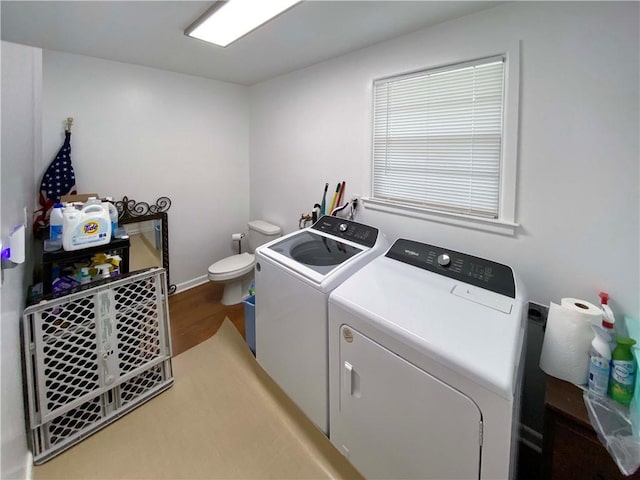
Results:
<point x="29" y="466"/>
<point x="181" y="287"/>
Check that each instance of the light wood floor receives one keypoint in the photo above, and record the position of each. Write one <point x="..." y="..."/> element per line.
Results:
<point x="196" y="314"/>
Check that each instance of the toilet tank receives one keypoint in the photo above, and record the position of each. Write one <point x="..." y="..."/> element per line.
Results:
<point x="261" y="232"/>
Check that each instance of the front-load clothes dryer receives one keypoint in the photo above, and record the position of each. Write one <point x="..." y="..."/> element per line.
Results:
<point x="294" y="276"/>
<point x="425" y="365"/>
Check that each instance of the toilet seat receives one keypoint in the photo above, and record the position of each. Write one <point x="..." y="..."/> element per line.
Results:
<point x="231" y="267"/>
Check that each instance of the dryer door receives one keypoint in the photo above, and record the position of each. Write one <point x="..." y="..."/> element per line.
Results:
<point x="397" y="421"/>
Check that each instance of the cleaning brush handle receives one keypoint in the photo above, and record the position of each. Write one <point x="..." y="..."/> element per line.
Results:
<point x="341" y="194"/>
<point x="335" y="198"/>
<point x="323" y="204"/>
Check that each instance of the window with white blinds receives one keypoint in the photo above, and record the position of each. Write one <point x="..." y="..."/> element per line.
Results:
<point x="438" y="138"/>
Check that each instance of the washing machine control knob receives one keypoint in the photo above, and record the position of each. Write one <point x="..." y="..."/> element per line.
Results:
<point x="343" y="227"/>
<point x="444" y="260"/>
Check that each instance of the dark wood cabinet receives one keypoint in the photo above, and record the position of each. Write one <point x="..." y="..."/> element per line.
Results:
<point x="571" y="449"/>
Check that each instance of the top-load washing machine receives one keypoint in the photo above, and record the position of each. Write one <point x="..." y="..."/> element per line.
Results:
<point x="294" y="276"/>
<point x="425" y="365"/>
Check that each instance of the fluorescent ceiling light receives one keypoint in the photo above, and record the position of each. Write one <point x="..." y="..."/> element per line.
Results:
<point x="226" y="21"/>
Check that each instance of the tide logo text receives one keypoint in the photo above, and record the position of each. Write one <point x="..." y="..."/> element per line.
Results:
<point x="91" y="228"/>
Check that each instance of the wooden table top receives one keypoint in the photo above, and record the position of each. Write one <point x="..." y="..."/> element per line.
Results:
<point x="566" y="398"/>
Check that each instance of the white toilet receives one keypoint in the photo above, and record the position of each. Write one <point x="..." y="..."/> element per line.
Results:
<point x="236" y="271"/>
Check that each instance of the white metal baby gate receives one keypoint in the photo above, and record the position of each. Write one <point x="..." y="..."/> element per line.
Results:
<point x="92" y="356"/>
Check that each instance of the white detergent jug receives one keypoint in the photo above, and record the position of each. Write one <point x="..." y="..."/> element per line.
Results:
<point x="89" y="227"/>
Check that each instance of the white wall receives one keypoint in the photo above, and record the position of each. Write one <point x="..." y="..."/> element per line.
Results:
<point x="146" y="133"/>
<point x="21" y="85"/>
<point x="578" y="172"/>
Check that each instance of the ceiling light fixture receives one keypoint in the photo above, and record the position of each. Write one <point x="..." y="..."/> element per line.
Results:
<point x="227" y="21"/>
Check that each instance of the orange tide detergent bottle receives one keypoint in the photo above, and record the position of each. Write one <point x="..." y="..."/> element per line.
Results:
<point x="88" y="227"/>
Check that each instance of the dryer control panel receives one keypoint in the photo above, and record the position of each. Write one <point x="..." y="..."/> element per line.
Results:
<point x="480" y="272"/>
<point x="355" y="232"/>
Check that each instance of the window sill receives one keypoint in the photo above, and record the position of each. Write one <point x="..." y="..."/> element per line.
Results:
<point x="484" y="224"/>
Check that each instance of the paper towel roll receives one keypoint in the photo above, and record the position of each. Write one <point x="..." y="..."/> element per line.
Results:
<point x="586" y="309"/>
<point x="237" y="236"/>
<point x="567" y="339"/>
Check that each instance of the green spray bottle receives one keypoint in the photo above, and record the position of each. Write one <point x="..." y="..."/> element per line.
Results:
<point x="623" y="371"/>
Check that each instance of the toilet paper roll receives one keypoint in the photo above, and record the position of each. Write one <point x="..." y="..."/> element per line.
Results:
<point x="567" y="339"/>
<point x="237" y="236"/>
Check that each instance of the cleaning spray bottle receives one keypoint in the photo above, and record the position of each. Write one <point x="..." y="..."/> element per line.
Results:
<point x="608" y="319"/>
<point x="623" y="371"/>
<point x="599" y="362"/>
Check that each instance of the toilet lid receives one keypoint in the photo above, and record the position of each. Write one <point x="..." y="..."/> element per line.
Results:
<point x="232" y="263"/>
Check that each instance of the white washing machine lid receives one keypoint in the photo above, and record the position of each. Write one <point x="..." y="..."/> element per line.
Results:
<point x="232" y="264"/>
<point x="470" y="330"/>
<point x="326" y="253"/>
<point x="318" y="252"/>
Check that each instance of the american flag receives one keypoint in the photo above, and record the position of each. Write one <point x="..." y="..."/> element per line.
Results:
<point x="59" y="179"/>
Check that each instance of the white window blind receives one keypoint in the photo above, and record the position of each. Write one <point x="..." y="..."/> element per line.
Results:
<point x="438" y="138"/>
